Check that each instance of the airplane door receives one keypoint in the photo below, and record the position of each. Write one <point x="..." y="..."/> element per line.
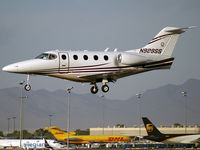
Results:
<point x="64" y="62"/>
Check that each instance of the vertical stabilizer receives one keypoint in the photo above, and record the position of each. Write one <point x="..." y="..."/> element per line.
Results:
<point x="57" y="132"/>
<point x="151" y="128"/>
<point x="46" y="144"/>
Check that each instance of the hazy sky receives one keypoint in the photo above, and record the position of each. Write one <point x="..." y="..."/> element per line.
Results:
<point x="28" y="28"/>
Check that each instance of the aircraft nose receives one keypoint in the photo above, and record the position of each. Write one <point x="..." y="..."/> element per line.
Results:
<point x="10" y="68"/>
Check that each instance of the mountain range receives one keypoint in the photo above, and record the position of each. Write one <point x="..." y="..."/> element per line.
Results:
<point x="164" y="106"/>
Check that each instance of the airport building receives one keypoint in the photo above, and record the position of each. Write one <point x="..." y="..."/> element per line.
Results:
<point x="136" y="131"/>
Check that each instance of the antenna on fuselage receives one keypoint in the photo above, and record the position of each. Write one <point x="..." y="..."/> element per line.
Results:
<point x="106" y="49"/>
<point x="115" y="50"/>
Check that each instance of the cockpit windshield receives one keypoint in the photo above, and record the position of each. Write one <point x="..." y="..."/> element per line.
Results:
<point x="46" y="56"/>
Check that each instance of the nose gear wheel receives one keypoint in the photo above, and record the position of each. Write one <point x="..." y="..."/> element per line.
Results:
<point x="27" y="87"/>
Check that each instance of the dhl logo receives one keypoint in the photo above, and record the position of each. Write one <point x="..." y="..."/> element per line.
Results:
<point x="59" y="133"/>
<point x="115" y="139"/>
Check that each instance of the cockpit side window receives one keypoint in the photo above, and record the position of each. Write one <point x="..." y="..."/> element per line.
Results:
<point x="52" y="56"/>
<point x="42" y="56"/>
<point x="46" y="56"/>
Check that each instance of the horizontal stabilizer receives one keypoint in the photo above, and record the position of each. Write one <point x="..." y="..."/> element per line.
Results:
<point x="181" y="30"/>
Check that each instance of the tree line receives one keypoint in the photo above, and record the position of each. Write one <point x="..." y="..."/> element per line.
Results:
<point x="38" y="134"/>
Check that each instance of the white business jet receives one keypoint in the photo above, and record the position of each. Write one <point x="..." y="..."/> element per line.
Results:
<point x="105" y="66"/>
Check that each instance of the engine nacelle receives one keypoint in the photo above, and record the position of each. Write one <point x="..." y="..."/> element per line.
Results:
<point x="130" y="59"/>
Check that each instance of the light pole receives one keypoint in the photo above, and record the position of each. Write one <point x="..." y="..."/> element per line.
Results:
<point x="68" y="119"/>
<point x="13" y="123"/>
<point x="184" y="93"/>
<point x="21" y="111"/>
<point x="139" y="100"/>
<point x="102" y="96"/>
<point x="8" y="124"/>
<point x="50" y="120"/>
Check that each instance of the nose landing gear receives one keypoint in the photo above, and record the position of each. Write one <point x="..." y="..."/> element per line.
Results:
<point x="27" y="87"/>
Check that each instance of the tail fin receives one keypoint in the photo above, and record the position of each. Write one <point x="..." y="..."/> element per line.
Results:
<point x="164" y="42"/>
<point x="47" y="145"/>
<point x="57" y="132"/>
<point x="151" y="128"/>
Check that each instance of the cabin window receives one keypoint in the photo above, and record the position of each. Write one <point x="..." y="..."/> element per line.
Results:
<point x="75" y="57"/>
<point x="105" y="57"/>
<point x="85" y="57"/>
<point x="95" y="57"/>
<point x="63" y="57"/>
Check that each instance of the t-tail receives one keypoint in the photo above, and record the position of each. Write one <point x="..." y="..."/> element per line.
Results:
<point x="151" y="128"/>
<point x="57" y="132"/>
<point x="157" y="54"/>
<point x="163" y="43"/>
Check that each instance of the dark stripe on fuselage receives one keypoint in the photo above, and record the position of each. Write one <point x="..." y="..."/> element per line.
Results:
<point x="89" y="66"/>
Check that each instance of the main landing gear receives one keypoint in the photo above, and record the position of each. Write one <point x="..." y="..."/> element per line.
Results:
<point x="94" y="89"/>
<point x="27" y="87"/>
<point x="105" y="88"/>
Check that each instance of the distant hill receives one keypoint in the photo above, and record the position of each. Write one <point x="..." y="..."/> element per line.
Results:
<point x="164" y="105"/>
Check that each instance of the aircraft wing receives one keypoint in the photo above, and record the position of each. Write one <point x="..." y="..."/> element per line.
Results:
<point x="96" y="141"/>
<point x="197" y="140"/>
<point x="74" y="139"/>
<point x="111" y="76"/>
<point x="78" y="139"/>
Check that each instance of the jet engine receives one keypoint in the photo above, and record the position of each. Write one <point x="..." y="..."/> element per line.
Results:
<point x="129" y="59"/>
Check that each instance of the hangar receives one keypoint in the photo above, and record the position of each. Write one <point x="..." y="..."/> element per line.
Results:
<point x="134" y="131"/>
